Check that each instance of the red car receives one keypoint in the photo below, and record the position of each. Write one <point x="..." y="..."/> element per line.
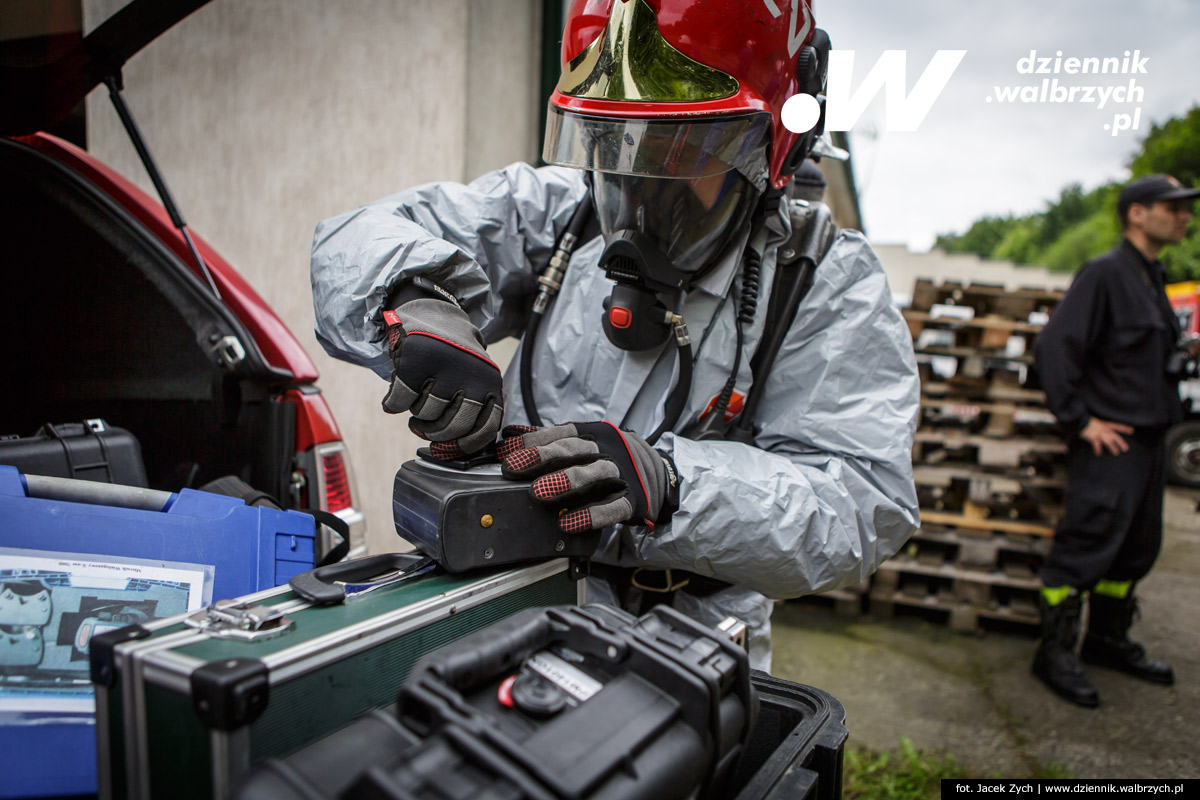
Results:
<point x="112" y="309"/>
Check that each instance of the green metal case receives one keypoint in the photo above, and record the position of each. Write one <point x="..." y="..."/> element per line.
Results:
<point x="183" y="711"/>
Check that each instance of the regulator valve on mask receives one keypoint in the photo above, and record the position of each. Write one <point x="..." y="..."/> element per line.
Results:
<point x="635" y="318"/>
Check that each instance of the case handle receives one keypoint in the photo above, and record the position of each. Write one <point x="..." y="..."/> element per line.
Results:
<point x="335" y="582"/>
<point x="71" y="490"/>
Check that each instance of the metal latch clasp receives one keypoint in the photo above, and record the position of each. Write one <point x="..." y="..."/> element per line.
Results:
<point x="735" y="630"/>
<point x="228" y="619"/>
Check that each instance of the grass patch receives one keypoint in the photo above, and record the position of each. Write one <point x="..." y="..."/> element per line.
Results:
<point x="911" y="775"/>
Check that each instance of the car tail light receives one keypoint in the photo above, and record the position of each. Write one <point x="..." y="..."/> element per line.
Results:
<point x="334" y="490"/>
<point x="337" y="482"/>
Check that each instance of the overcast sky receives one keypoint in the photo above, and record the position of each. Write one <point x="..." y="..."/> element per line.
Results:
<point x="972" y="157"/>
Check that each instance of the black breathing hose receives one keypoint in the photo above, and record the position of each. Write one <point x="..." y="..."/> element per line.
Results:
<point x="550" y="281"/>
<point x="531" y="328"/>
<point x="679" y="395"/>
<point x="819" y="231"/>
<point x="747" y="306"/>
<point x="713" y="426"/>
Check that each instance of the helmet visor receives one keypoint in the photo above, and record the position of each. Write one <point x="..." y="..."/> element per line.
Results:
<point x="691" y="220"/>
<point x="674" y="148"/>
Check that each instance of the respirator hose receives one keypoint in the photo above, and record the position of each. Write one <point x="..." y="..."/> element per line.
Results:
<point x="683" y="387"/>
<point x="549" y="283"/>
<point x="531" y="328"/>
<point x="747" y="307"/>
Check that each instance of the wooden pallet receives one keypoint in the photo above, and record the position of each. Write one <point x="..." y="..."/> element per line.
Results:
<point x="973" y="557"/>
<point x="985" y="298"/>
<point x="986" y="525"/>
<point x="848" y="602"/>
<point x="986" y="451"/>
<point x="961" y="617"/>
<point x="994" y="509"/>
<point x="984" y="389"/>
<point x="847" y="605"/>
<point x="996" y="419"/>
<point x="986" y="333"/>
<point x="965" y="352"/>
<point x="935" y="475"/>
<point x="965" y="584"/>
<point x="975" y="549"/>
<point x="988" y="460"/>
<point x="991" y="497"/>
<point x="965" y="593"/>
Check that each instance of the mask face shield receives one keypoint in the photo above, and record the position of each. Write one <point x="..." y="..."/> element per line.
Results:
<point x="691" y="220"/>
<point x="672" y="148"/>
<point x="687" y="184"/>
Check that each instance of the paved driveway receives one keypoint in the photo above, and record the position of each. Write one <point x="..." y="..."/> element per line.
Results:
<point x="973" y="696"/>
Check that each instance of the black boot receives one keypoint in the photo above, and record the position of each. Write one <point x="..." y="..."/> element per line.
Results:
<point x="1055" y="661"/>
<point x="1107" y="642"/>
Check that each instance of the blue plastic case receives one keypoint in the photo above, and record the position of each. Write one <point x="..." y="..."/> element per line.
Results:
<point x="241" y="549"/>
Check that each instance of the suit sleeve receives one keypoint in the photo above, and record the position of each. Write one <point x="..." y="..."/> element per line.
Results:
<point x="484" y="242"/>
<point x="826" y="494"/>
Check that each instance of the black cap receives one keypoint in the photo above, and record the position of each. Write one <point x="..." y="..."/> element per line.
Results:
<point x="1151" y="189"/>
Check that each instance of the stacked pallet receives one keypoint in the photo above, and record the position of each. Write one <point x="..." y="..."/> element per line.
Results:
<point x="988" y="461"/>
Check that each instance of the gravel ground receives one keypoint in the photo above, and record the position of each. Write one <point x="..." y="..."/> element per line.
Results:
<point x="972" y="696"/>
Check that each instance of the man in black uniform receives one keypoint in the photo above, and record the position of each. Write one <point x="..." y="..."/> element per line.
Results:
<point x="1103" y="360"/>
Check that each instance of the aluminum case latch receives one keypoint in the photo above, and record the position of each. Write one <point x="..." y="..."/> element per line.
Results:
<point x="229" y="619"/>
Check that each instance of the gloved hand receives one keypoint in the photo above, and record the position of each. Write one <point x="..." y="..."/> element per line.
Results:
<point x="442" y="374"/>
<point x="599" y="473"/>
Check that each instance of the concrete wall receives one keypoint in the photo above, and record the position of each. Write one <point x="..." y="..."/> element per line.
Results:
<point x="267" y="116"/>
<point x="904" y="268"/>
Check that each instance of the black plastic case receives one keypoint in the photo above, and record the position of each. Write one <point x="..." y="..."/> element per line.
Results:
<point x="796" y="748"/>
<point x="465" y="519"/>
<point x="90" y="450"/>
<point x="550" y="703"/>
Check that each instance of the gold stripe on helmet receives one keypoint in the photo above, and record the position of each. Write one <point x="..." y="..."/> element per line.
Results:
<point x="630" y="60"/>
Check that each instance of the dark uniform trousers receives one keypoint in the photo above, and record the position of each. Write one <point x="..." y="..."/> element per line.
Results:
<point x="1112" y="525"/>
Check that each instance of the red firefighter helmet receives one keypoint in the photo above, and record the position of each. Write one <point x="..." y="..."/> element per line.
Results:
<point x="683" y="88"/>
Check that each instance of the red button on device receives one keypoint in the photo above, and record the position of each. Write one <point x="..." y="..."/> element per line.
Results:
<point x="620" y="317"/>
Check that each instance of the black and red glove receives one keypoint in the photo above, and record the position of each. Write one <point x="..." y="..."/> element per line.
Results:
<point x="442" y="374"/>
<point x="599" y="474"/>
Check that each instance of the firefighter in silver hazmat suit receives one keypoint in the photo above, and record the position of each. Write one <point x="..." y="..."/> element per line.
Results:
<point x="823" y="494"/>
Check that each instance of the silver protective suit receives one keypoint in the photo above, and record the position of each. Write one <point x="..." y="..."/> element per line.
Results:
<point x="822" y="497"/>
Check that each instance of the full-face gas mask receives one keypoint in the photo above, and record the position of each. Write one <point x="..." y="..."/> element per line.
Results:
<point x="661" y="235"/>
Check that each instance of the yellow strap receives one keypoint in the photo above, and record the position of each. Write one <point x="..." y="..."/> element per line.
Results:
<point x="1117" y="589"/>
<point x="1056" y="594"/>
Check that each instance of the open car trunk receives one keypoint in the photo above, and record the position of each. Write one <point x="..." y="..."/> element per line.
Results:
<point x="101" y="320"/>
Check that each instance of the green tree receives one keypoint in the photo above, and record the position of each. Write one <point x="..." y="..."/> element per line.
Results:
<point x="1082" y="242"/>
<point x="1182" y="260"/>
<point x="1020" y="244"/>
<point x="1071" y="208"/>
<point x="982" y="237"/>
<point x="1173" y="148"/>
<point x="1079" y="225"/>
